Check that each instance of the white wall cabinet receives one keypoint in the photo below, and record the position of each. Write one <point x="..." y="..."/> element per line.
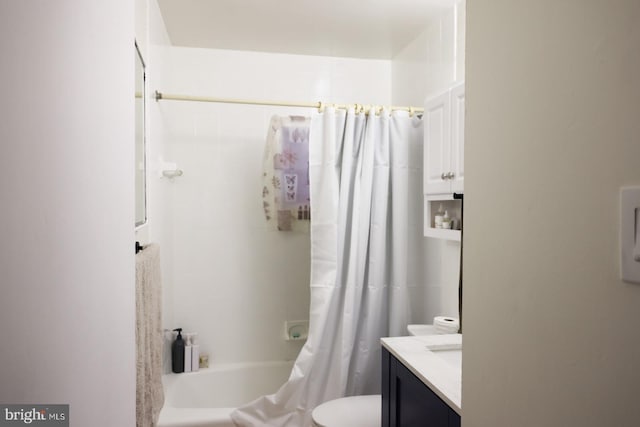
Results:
<point x="444" y="159"/>
<point x="444" y="142"/>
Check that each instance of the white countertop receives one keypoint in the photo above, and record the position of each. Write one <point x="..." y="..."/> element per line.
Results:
<point x="431" y="359"/>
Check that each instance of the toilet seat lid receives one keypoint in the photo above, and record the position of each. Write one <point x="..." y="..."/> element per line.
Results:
<point x="354" y="411"/>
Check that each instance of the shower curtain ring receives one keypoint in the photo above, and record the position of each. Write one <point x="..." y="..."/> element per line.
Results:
<point x="320" y="107"/>
<point x="411" y="111"/>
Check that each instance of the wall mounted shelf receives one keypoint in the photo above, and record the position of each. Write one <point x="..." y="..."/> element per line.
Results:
<point x="452" y="203"/>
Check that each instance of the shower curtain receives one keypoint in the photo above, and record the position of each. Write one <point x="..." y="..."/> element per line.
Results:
<point x="366" y="237"/>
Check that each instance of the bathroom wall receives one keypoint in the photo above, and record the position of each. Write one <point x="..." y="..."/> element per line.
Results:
<point x="152" y="39"/>
<point x="66" y="254"/>
<point x="553" y="132"/>
<point x="232" y="279"/>
<point x="225" y="275"/>
<point x="428" y="65"/>
<point x="434" y="60"/>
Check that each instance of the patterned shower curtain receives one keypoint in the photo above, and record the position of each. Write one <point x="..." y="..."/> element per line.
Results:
<point x="285" y="189"/>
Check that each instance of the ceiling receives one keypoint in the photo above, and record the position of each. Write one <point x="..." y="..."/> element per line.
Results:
<point x="348" y="28"/>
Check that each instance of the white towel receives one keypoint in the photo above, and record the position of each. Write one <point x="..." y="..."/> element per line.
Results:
<point x="149" y="392"/>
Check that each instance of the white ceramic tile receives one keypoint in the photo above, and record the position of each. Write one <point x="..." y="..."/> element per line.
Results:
<point x="409" y="70"/>
<point x="227" y="276"/>
<point x="361" y="81"/>
<point x="460" y="40"/>
<point x="424" y="66"/>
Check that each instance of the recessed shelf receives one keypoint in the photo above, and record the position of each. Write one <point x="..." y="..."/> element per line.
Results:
<point x="296" y="330"/>
<point x="439" y="233"/>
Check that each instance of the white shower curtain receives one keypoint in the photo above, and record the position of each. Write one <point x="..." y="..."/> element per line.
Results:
<point x="366" y="236"/>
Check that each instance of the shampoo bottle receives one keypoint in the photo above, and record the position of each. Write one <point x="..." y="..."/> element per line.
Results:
<point x="177" y="353"/>
<point x="446" y="220"/>
<point x="195" y="352"/>
<point x="187" y="353"/>
<point x="438" y="217"/>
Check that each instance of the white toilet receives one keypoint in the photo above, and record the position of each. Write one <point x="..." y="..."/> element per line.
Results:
<point x="417" y="330"/>
<point x="358" y="411"/>
<point x="440" y="325"/>
<point x="354" y="411"/>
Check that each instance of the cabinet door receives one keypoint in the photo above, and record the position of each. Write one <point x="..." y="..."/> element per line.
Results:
<point x="386" y="388"/>
<point x="416" y="404"/>
<point x="454" y="419"/>
<point x="437" y="137"/>
<point x="407" y="401"/>
<point x="457" y="138"/>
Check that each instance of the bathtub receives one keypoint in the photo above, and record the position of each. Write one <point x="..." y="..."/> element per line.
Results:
<point x="206" y="398"/>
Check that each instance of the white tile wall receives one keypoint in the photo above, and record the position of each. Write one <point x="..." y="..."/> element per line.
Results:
<point x="226" y="275"/>
<point x="428" y="65"/>
<point x="433" y="61"/>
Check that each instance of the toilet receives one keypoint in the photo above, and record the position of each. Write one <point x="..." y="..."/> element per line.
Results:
<point x="418" y="330"/>
<point x="353" y="411"/>
<point x="358" y="411"/>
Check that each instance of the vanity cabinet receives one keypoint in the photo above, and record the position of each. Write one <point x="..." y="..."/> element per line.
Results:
<point x="408" y="402"/>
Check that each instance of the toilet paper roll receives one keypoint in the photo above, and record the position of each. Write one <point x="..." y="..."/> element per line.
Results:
<point x="446" y="325"/>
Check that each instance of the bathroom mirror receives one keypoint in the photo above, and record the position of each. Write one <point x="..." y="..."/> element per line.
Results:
<point x="140" y="160"/>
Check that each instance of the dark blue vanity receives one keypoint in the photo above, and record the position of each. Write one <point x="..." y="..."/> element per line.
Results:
<point x="409" y="401"/>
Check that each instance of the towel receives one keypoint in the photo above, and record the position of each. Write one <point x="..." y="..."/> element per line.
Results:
<point x="285" y="190"/>
<point x="149" y="392"/>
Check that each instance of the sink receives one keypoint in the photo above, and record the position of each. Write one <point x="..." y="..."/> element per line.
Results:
<point x="450" y="353"/>
<point x="452" y="358"/>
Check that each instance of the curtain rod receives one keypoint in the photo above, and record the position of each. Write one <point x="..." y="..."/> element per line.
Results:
<point x="319" y="105"/>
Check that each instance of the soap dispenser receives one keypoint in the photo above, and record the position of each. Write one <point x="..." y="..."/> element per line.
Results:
<point x="177" y="353"/>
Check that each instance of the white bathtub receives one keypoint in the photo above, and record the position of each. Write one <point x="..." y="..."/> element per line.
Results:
<point x="206" y="398"/>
